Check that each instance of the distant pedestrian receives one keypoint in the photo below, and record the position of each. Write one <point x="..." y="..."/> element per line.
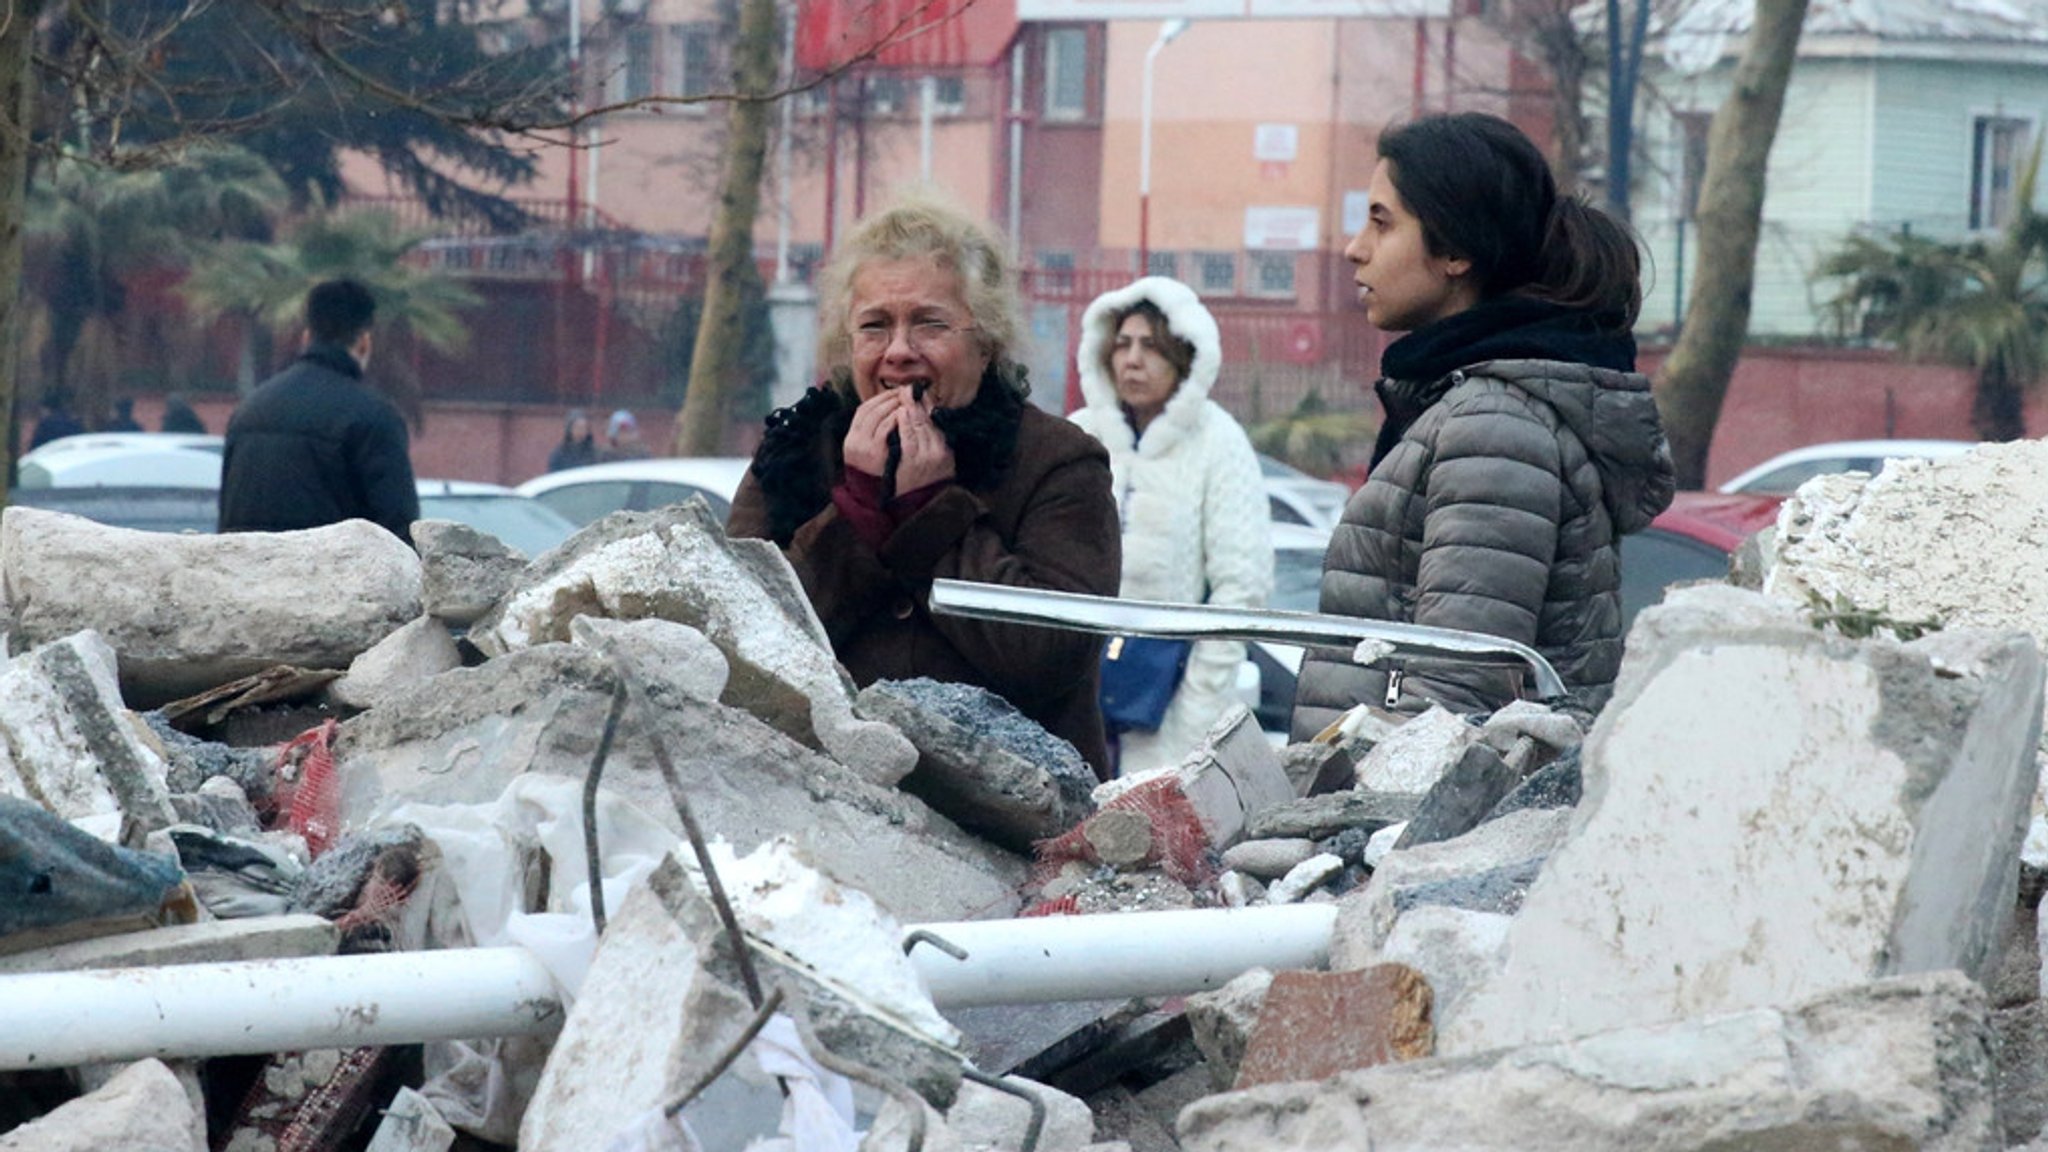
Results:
<point x="123" y="419"/>
<point x="578" y="446"/>
<point x="622" y="438"/>
<point x="314" y="445"/>
<point x="179" y="416"/>
<point x="56" y="421"/>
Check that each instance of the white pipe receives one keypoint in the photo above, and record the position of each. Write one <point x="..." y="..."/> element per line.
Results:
<point x="57" y="1019"/>
<point x="1052" y="958"/>
<point x="927" y="95"/>
<point x="1016" y="145"/>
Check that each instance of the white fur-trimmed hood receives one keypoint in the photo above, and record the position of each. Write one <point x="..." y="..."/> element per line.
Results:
<point x="1187" y="319"/>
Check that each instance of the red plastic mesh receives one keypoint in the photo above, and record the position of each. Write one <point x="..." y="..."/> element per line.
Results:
<point x="309" y="793"/>
<point x="1179" y="846"/>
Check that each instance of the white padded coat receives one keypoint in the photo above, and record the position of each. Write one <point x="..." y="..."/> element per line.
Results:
<point x="1192" y="504"/>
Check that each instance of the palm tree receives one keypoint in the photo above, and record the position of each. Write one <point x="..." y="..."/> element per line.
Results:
<point x="91" y="230"/>
<point x="1978" y="303"/>
<point x="269" y="282"/>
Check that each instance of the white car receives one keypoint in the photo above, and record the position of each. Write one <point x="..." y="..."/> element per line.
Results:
<point x="1295" y="497"/>
<point x="1782" y="474"/>
<point x="519" y="521"/>
<point x="584" y="494"/>
<point x="124" y="460"/>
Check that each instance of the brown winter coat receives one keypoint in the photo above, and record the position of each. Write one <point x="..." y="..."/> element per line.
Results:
<point x="1047" y="521"/>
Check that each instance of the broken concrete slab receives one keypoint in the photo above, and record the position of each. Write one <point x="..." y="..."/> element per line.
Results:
<point x="142" y="1109"/>
<point x="210" y="941"/>
<point x="684" y="569"/>
<point x="1222" y="1022"/>
<point x="1233" y="775"/>
<point x="194" y="611"/>
<point x="1904" y="1063"/>
<point x="67" y="742"/>
<point x="1120" y="838"/>
<point x="463" y="571"/>
<point x="1526" y="719"/>
<point x="1318" y="817"/>
<point x="986" y="1120"/>
<point x="465" y="734"/>
<point x="1366" y="916"/>
<point x="1773" y="811"/>
<point x="1304" y="878"/>
<point x="397" y="664"/>
<point x="667" y="660"/>
<point x="1314" y="1025"/>
<point x="1458" y="801"/>
<point x="1557" y="784"/>
<point x="1413" y="757"/>
<point x="981" y="762"/>
<point x="1316" y="768"/>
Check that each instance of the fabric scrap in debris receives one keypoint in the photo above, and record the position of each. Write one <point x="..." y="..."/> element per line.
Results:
<point x="52" y="874"/>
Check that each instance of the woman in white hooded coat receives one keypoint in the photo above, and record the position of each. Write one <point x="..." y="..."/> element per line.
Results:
<point x="1188" y="490"/>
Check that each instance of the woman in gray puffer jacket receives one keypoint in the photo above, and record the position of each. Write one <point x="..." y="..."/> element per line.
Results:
<point x="1519" y="444"/>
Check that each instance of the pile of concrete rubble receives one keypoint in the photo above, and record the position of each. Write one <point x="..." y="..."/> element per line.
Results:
<point x="311" y="841"/>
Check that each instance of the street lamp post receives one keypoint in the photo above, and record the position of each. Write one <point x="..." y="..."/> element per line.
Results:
<point x="1167" y="32"/>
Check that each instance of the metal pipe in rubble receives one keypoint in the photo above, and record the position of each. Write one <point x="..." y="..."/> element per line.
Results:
<point x="58" y="1019"/>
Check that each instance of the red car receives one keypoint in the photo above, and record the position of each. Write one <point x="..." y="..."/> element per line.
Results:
<point x="1691" y="540"/>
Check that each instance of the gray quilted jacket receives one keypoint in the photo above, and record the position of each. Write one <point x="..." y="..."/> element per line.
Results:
<point x="1499" y="511"/>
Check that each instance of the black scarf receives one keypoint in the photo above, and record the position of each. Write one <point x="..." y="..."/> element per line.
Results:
<point x="798" y="461"/>
<point x="1416" y="369"/>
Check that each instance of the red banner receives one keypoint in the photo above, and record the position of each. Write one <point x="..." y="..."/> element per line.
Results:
<point x="904" y="33"/>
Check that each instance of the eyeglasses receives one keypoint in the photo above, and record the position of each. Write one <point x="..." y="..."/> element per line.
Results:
<point x="923" y="335"/>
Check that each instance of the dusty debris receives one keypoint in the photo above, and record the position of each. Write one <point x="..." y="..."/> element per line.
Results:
<point x="281" y="684"/>
<point x="397" y="664"/>
<point x="463" y="572"/>
<point x="64" y="884"/>
<point x="144" y="1107"/>
<point x="1312" y="1025"/>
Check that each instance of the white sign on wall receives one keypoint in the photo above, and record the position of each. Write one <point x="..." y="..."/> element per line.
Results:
<point x="1030" y="10"/>
<point x="1284" y="228"/>
<point x="1276" y="143"/>
<point x="1356" y="205"/>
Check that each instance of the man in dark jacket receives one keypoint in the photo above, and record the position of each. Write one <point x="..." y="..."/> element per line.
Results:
<point x="314" y="445"/>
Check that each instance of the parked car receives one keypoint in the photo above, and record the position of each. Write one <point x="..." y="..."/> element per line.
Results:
<point x="124" y="460"/>
<point x="584" y="494"/>
<point x="520" y="521"/>
<point x="1782" y="474"/>
<point x="1295" y="497"/>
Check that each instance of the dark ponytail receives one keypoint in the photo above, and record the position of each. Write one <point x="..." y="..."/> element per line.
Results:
<point x="1484" y="193"/>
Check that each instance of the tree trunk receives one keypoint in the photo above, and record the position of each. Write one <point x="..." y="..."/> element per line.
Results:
<point x="1694" y="379"/>
<point x="17" y="35"/>
<point x="715" y="362"/>
<point x="1998" y="412"/>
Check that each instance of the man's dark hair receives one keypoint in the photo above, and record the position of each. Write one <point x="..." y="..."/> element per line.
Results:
<point x="338" y="311"/>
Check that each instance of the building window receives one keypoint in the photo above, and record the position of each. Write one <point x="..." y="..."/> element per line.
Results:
<point x="1162" y="264"/>
<point x="637" y="74"/>
<point x="1997" y="144"/>
<point x="1272" y="274"/>
<point x="1066" y="74"/>
<point x="693" y="59"/>
<point x="1690" y="129"/>
<point x="885" y="94"/>
<point x="949" y="96"/>
<point x="1215" y="273"/>
<point x="1057" y="266"/>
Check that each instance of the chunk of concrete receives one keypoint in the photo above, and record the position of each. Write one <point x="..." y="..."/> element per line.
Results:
<point x="666" y="659"/>
<point x="1304" y="878"/>
<point x="190" y="612"/>
<point x="1902" y="1063"/>
<point x="207" y="942"/>
<point x="142" y="1109"/>
<point x="1120" y="837"/>
<point x="467" y="733"/>
<point x="1413" y="757"/>
<point x="1268" y="859"/>
<point x="397" y="664"/>
<point x="981" y="762"/>
<point x="1366" y="915"/>
<point x="1313" y="1025"/>
<point x="463" y="571"/>
<point x="1458" y="801"/>
<point x="68" y="744"/>
<point x="1234" y="774"/>
<point x="1456" y="949"/>
<point x="662" y="999"/>
<point x="1557" y="784"/>
<point x="985" y="1118"/>
<point x="1525" y="719"/>
<point x="1771" y="812"/>
<point x="1316" y="768"/>
<point x="1327" y="815"/>
<point x="1222" y="1022"/>
<point x="684" y="569"/>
